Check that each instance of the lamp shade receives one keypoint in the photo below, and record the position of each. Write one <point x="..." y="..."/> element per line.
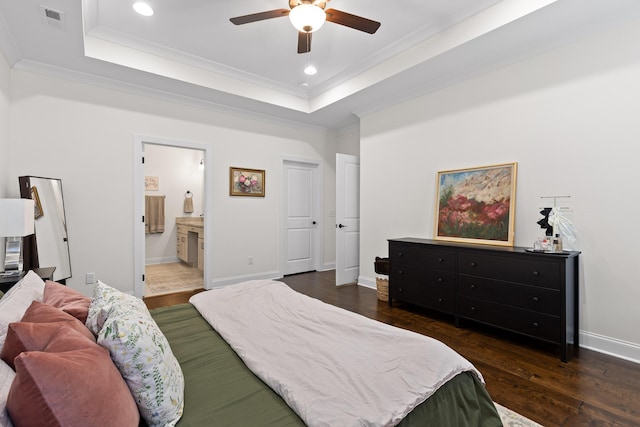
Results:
<point x="16" y="217"/>
<point x="307" y="17"/>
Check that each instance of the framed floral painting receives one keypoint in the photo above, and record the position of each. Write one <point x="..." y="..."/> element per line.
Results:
<point x="477" y="205"/>
<point x="246" y="182"/>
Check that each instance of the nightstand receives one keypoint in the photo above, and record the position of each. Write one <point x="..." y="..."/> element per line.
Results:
<point x="45" y="273"/>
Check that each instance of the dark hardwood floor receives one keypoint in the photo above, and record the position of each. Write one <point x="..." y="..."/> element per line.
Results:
<point x="592" y="389"/>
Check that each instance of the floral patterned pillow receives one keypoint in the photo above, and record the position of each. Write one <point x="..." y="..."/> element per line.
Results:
<point x="141" y="352"/>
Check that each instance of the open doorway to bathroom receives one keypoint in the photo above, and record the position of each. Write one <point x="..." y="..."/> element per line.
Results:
<point x="174" y="219"/>
<point x="171" y="199"/>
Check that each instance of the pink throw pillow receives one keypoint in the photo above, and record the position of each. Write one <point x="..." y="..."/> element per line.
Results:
<point x="72" y="382"/>
<point x="66" y="299"/>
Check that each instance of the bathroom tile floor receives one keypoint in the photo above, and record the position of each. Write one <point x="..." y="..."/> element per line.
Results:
<point x="172" y="277"/>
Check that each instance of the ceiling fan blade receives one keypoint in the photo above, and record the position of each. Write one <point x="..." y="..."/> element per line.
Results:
<point x="304" y="42"/>
<point x="246" y="19"/>
<point x="352" y="21"/>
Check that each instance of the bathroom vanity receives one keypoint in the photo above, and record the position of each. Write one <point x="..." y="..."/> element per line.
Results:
<point x="190" y="243"/>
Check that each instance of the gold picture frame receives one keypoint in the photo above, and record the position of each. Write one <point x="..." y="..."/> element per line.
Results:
<point x="477" y="205"/>
<point x="38" y="212"/>
<point x="246" y="182"/>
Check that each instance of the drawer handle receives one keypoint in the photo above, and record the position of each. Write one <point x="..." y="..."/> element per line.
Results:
<point x="535" y="273"/>
<point x="400" y="254"/>
<point x="400" y="272"/>
<point x="472" y="286"/>
<point x="535" y="324"/>
<point x="440" y="280"/>
<point x="473" y="308"/>
<point x="440" y="300"/>
<point x="472" y="264"/>
<point x="399" y="289"/>
<point x="536" y="299"/>
<point x="440" y="260"/>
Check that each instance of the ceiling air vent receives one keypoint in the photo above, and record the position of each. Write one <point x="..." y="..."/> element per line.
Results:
<point x="52" y="17"/>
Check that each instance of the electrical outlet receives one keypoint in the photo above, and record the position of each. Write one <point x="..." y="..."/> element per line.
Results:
<point x="250" y="260"/>
<point x="90" y="278"/>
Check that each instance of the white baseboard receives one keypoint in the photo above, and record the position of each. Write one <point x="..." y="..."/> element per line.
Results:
<point x="611" y="346"/>
<point x="600" y="343"/>
<point x="328" y="266"/>
<point x="167" y="260"/>
<point x="367" y="282"/>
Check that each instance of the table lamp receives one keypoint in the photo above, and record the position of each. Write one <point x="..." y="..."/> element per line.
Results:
<point x="16" y="221"/>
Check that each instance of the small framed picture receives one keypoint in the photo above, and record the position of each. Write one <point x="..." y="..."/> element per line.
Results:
<point x="151" y="183"/>
<point x="246" y="182"/>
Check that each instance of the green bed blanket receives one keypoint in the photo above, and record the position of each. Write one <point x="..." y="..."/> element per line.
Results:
<point x="221" y="390"/>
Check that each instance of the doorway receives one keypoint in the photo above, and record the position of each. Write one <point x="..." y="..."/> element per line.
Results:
<point x="302" y="224"/>
<point x="175" y="175"/>
<point x="347" y="219"/>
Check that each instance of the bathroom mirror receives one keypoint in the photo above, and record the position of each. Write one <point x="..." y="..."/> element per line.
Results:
<point x="49" y="246"/>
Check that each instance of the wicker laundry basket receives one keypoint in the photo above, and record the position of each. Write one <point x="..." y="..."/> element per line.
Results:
<point x="382" y="285"/>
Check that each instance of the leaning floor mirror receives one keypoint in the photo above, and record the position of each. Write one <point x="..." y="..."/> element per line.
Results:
<point x="49" y="246"/>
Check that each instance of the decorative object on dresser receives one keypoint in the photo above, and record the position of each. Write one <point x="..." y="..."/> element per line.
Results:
<point x="49" y="245"/>
<point x="477" y="205"/>
<point x="246" y="182"/>
<point x="532" y="294"/>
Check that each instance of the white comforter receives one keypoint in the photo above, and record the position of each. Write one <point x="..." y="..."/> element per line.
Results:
<point x="332" y="367"/>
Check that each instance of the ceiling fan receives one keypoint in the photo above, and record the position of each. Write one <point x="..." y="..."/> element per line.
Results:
<point x="308" y="16"/>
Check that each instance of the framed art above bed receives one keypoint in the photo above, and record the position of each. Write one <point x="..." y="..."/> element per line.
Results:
<point x="477" y="205"/>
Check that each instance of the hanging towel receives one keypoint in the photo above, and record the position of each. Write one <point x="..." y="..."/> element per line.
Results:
<point x="188" y="202"/>
<point x="153" y="214"/>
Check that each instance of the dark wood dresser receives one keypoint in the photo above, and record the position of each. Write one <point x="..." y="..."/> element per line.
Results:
<point x="533" y="294"/>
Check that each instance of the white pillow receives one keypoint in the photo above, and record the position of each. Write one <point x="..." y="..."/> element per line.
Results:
<point x="6" y="378"/>
<point x="141" y="352"/>
<point x="16" y="301"/>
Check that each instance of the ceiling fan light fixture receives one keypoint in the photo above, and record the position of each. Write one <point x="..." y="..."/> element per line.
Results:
<point x="307" y="17"/>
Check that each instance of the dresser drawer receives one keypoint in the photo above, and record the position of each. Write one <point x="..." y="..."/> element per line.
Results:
<point x="403" y="254"/>
<point x="533" y="298"/>
<point x="521" y="269"/>
<point x="431" y="289"/>
<point x="537" y="325"/>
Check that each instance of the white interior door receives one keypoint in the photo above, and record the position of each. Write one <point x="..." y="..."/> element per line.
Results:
<point x="301" y="223"/>
<point x="347" y="219"/>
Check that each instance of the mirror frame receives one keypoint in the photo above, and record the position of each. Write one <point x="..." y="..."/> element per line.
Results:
<point x="30" y="256"/>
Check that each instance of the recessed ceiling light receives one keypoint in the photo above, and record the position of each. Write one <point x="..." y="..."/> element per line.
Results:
<point x="310" y="70"/>
<point x="143" y="9"/>
<point x="305" y="84"/>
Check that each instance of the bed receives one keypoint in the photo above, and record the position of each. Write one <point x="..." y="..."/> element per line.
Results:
<point x="219" y="387"/>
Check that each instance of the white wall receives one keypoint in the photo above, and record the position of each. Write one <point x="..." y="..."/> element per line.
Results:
<point x="570" y="120"/>
<point x="178" y="171"/>
<point x="349" y="140"/>
<point x="5" y="98"/>
<point x="5" y="90"/>
<point x="85" y="136"/>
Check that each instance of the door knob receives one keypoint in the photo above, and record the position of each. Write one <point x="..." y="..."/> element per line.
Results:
<point x="314" y="223"/>
<point x="341" y="226"/>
